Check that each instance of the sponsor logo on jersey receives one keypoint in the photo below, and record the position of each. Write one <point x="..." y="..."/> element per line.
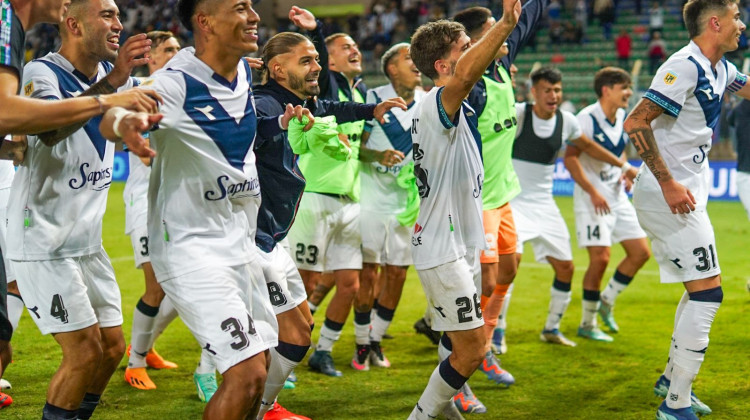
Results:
<point x="395" y="169"/>
<point x="416" y="239"/>
<point x="670" y="78"/>
<point x="247" y="188"/>
<point x="99" y="180"/>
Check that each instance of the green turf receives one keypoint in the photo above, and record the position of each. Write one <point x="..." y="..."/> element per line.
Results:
<point x="593" y="380"/>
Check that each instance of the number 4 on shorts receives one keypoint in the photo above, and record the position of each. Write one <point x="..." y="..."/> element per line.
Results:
<point x="58" y="309"/>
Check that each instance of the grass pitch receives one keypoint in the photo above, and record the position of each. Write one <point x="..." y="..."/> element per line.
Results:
<point x="591" y="381"/>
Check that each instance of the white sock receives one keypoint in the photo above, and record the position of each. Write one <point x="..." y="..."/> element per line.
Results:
<point x="313" y="307"/>
<point x="278" y="371"/>
<point x="588" y="316"/>
<point x="443" y="352"/>
<point x="379" y="327"/>
<point x="327" y="338"/>
<point x="15" y="310"/>
<point x="167" y="314"/>
<point x="437" y="394"/>
<point x="502" y="319"/>
<point x="206" y="364"/>
<point x="362" y="328"/>
<point x="677" y="315"/>
<point x="558" y="303"/>
<point x="691" y="343"/>
<point x="617" y="283"/>
<point x="140" y="337"/>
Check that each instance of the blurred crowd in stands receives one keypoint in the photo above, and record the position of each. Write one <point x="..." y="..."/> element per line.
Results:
<point x="386" y="22"/>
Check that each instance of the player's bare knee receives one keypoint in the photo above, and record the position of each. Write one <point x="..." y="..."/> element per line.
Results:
<point x="347" y="289"/>
<point x="639" y="256"/>
<point x="564" y="270"/>
<point x="85" y="355"/>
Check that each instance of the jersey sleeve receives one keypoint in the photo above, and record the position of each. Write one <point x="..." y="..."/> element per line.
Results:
<point x="171" y="87"/>
<point x="735" y="79"/>
<point x="672" y="83"/>
<point x="571" y="127"/>
<point x="372" y="98"/>
<point x="586" y="123"/>
<point x="39" y="82"/>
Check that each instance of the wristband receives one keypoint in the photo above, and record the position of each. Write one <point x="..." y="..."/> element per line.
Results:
<point x="101" y="105"/>
<point x="626" y="166"/>
<point x="120" y="114"/>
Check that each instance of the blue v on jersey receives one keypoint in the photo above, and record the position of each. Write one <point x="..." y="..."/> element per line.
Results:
<point x="204" y="192"/>
<point x="59" y="194"/>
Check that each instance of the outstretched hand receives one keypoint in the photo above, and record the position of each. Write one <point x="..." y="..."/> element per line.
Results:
<point x="386" y="106"/>
<point x="303" y="18"/>
<point x="511" y="11"/>
<point x="132" y="126"/>
<point x="128" y="59"/>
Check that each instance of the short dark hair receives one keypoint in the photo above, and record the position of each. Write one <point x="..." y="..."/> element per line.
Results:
<point x="390" y="54"/>
<point x="696" y="11"/>
<point x="280" y="43"/>
<point x="610" y="76"/>
<point x="473" y="19"/>
<point x="549" y="74"/>
<point x="431" y="42"/>
<point x="186" y="10"/>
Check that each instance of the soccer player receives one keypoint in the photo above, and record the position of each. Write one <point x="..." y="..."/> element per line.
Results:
<point x="326" y="236"/>
<point x="204" y="254"/>
<point x="290" y="74"/>
<point x="449" y="232"/>
<point x="542" y="130"/>
<point x="603" y="212"/>
<point x="493" y="100"/>
<point x="21" y="115"/>
<point x="386" y="149"/>
<point x="671" y="128"/>
<point x="150" y="308"/>
<point x="56" y="207"/>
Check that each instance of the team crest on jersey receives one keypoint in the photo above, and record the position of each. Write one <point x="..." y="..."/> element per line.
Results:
<point x="28" y="89"/>
<point x="670" y="78"/>
<point x="148" y="82"/>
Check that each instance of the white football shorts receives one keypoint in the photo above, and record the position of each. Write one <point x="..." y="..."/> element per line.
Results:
<point x="453" y="293"/>
<point x="325" y="235"/>
<point x="384" y="239"/>
<point x="541" y="224"/>
<point x="70" y="294"/>
<point x="228" y="311"/>
<point x="4" y="196"/>
<point x="621" y="224"/>
<point x="683" y="245"/>
<point x="743" y="190"/>
<point x="285" y="287"/>
<point x="139" y="240"/>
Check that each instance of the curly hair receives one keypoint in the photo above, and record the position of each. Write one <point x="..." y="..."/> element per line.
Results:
<point x="433" y="41"/>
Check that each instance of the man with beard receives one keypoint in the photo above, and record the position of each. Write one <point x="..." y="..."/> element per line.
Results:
<point x="56" y="207"/>
<point x="291" y="72"/>
<point x="386" y="150"/>
<point x="21" y="115"/>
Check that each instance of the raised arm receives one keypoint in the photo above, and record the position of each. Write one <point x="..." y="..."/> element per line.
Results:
<point x="638" y="126"/>
<point x="30" y="116"/>
<point x="472" y="64"/>
<point x="127" y="59"/>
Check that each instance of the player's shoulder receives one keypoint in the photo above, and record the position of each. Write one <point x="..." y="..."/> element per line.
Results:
<point x="588" y="111"/>
<point x="382" y="92"/>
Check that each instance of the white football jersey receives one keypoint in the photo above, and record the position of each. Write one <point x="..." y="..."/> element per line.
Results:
<point x="135" y="194"/>
<point x="59" y="194"/>
<point x="379" y="191"/>
<point x="604" y="177"/>
<point x="691" y="92"/>
<point x="204" y="193"/>
<point x="7" y="172"/>
<point x="450" y="175"/>
<point x="536" y="177"/>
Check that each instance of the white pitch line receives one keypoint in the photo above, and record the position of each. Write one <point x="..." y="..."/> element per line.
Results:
<point x="121" y="259"/>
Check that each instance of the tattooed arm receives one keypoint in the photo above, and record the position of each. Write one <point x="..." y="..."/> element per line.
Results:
<point x="638" y="126"/>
